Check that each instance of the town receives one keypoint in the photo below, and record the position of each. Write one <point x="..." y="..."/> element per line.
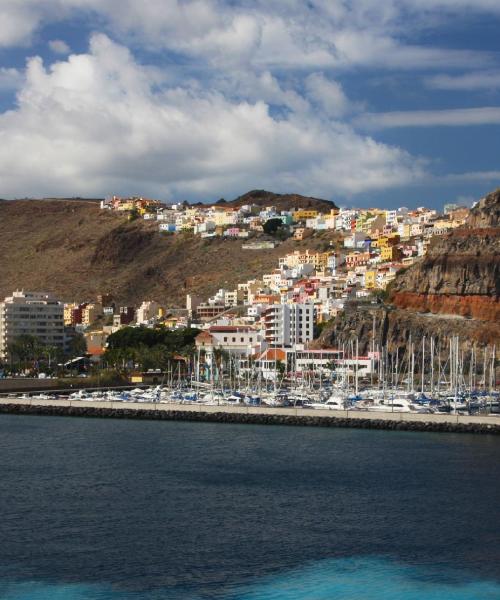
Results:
<point x="272" y="319"/>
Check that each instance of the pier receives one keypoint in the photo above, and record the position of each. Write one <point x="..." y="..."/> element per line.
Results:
<point x="253" y="415"/>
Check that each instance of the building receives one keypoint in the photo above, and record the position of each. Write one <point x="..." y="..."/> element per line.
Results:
<point x="90" y="313"/>
<point x="125" y="316"/>
<point x="301" y="233"/>
<point x="31" y="313"/>
<point x="237" y="340"/>
<point x="149" y="312"/>
<point x="301" y="214"/>
<point x="73" y="314"/>
<point x="289" y="324"/>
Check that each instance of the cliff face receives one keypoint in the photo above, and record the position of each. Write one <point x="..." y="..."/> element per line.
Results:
<point x="486" y="213"/>
<point x="460" y="275"/>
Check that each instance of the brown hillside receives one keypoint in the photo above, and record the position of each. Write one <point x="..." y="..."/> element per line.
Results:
<point x="76" y="250"/>
<point x="280" y="201"/>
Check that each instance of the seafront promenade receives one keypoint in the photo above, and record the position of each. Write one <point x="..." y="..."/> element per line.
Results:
<point x="254" y="415"/>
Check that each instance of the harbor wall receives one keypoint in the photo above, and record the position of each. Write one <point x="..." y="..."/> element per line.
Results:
<point x="254" y="415"/>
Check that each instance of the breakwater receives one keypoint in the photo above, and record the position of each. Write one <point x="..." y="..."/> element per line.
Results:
<point x="254" y="415"/>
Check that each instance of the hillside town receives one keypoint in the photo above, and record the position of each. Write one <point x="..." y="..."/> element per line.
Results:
<point x="267" y="319"/>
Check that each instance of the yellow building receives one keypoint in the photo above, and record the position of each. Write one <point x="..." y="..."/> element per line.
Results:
<point x="302" y="214"/>
<point x="68" y="312"/>
<point x="371" y="279"/>
<point x="390" y="253"/>
<point x="90" y="313"/>
<point x="320" y="260"/>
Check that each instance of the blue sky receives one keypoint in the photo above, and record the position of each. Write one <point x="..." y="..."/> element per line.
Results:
<point x="368" y="102"/>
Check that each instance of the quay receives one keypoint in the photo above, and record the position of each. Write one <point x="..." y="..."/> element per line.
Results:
<point x="259" y="415"/>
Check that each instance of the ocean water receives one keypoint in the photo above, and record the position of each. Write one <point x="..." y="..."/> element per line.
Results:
<point x="109" y="509"/>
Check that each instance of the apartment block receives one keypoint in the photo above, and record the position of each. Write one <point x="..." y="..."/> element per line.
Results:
<point x="288" y="324"/>
<point x="31" y="313"/>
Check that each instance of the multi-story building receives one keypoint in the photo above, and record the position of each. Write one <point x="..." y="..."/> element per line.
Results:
<point x="91" y="313"/>
<point x="31" y="313"/>
<point x="288" y="324"/>
<point x="148" y="312"/>
<point x="73" y="313"/>
<point x="125" y="315"/>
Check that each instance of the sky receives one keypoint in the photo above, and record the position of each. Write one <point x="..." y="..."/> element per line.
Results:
<point x="367" y="103"/>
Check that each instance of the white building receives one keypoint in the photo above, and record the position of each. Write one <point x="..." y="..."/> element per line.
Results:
<point x="238" y="340"/>
<point x="31" y="313"/>
<point x="148" y="312"/>
<point x="289" y="324"/>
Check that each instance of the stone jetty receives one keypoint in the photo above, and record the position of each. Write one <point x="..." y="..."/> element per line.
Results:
<point x="256" y="415"/>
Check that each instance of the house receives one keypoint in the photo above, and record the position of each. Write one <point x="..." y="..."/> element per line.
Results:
<point x="301" y="233"/>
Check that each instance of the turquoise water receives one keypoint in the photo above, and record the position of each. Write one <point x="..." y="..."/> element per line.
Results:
<point x="111" y="510"/>
<point x="346" y="579"/>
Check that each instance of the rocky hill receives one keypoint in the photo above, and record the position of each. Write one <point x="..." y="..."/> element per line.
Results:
<point x="75" y="250"/>
<point x="453" y="290"/>
<point x="280" y="201"/>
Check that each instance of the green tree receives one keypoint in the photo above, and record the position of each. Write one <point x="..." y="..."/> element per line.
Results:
<point x="271" y="226"/>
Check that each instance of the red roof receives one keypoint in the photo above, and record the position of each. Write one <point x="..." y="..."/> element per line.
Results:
<point x="273" y="354"/>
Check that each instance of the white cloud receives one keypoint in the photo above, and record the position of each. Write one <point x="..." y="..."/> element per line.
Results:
<point x="19" y="20"/>
<point x="482" y="80"/>
<point x="10" y="79"/>
<point x="99" y="122"/>
<point x="458" y="117"/>
<point x="59" y="47"/>
<point x="472" y="176"/>
<point x="317" y="35"/>
<point x="328" y="94"/>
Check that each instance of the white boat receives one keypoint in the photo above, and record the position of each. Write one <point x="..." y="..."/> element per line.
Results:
<point x="334" y="402"/>
<point x="395" y="404"/>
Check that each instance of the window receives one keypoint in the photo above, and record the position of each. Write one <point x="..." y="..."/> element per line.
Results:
<point x="225" y="339"/>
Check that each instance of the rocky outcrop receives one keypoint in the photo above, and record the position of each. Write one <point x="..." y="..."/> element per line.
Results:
<point x="486" y="213"/>
<point x="378" y="325"/>
<point x="460" y="275"/>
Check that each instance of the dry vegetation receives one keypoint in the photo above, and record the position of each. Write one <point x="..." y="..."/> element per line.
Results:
<point x="75" y="250"/>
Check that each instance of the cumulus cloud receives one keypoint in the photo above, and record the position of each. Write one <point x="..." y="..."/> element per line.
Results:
<point x="328" y="94"/>
<point x="100" y="122"/>
<point x="59" y="47"/>
<point x="10" y="79"/>
<point x="318" y="34"/>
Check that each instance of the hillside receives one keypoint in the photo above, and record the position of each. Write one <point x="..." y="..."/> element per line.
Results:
<point x="280" y="201"/>
<point x="75" y="250"/>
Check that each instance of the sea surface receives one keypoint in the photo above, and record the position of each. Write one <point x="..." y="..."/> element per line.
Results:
<point x="107" y="509"/>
